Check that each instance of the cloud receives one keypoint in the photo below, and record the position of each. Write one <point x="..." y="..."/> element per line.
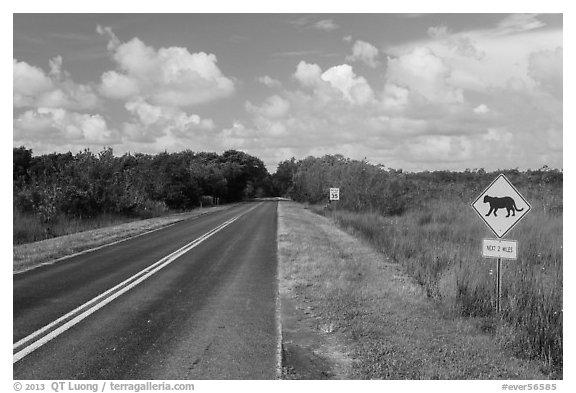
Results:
<point x="303" y="20"/>
<point x="490" y="57"/>
<point x="461" y="44"/>
<point x="274" y="107"/>
<point x="270" y="82"/>
<point x="481" y="109"/>
<point x="118" y="86"/>
<point x="113" y="41"/>
<point x="454" y="101"/>
<point x="150" y="122"/>
<point x="29" y="83"/>
<point x="487" y="98"/>
<point x="308" y="74"/>
<point x="309" y="21"/>
<point x="59" y="126"/>
<point x="364" y="52"/>
<point x="545" y="68"/>
<point x="296" y="53"/>
<point x="167" y="77"/>
<point x="33" y="88"/>
<point x="394" y="97"/>
<point x="424" y="73"/>
<point x="354" y="88"/>
<point x="336" y="82"/>
<point x="518" y="23"/>
<point x="326" y="25"/>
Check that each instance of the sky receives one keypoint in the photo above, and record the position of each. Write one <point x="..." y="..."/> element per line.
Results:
<point x="408" y="91"/>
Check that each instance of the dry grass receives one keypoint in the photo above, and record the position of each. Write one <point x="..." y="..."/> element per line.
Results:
<point x="440" y="247"/>
<point x="378" y="312"/>
<point x="26" y="256"/>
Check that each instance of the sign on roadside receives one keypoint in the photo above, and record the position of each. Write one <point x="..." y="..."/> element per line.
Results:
<point x="334" y="194"/>
<point x="501" y="206"/>
<point x="498" y="248"/>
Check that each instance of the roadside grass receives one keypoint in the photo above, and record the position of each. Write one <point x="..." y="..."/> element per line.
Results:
<point x="440" y="246"/>
<point x="29" y="255"/>
<point x="29" y="227"/>
<point x="376" y="310"/>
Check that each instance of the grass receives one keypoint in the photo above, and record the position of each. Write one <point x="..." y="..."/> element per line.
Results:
<point x="440" y="246"/>
<point x="29" y="227"/>
<point x="375" y="309"/>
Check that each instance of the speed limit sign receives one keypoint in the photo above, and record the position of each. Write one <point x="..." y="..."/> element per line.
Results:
<point x="334" y="194"/>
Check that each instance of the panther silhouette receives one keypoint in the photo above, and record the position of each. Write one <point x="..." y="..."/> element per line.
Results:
<point x="501" y="203"/>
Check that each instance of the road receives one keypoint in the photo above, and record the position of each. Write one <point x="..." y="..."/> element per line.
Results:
<point x="196" y="300"/>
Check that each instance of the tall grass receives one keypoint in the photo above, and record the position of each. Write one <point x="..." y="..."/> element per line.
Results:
<point x="30" y="227"/>
<point x="440" y="245"/>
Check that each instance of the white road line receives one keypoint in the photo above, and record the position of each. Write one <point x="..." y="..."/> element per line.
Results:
<point x="110" y="295"/>
<point x="103" y="295"/>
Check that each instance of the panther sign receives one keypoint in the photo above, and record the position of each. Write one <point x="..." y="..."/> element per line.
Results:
<point x="501" y="206"/>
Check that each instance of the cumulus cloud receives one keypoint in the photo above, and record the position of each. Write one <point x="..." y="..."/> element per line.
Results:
<point x="452" y="102"/>
<point x="150" y="122"/>
<point x="364" y="52"/>
<point x="167" y="77"/>
<point x="270" y="82"/>
<point x="35" y="88"/>
<point x="485" y="98"/>
<point x="118" y="86"/>
<point x="308" y="74"/>
<point x="481" y="109"/>
<point x="338" y="81"/>
<point x="394" y="97"/>
<point x="425" y="73"/>
<point x="59" y="126"/>
<point x="354" y="88"/>
<point x="113" y="41"/>
<point x="274" y="106"/>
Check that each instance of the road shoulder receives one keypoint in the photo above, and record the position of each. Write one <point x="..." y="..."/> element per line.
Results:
<point x="348" y="313"/>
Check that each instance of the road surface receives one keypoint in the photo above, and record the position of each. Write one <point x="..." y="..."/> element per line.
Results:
<point x="196" y="300"/>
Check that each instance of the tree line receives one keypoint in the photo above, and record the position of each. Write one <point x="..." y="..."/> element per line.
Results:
<point x="87" y="184"/>
<point x="56" y="186"/>
<point x="368" y="187"/>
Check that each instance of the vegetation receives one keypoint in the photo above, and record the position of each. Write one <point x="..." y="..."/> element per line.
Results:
<point x="60" y="193"/>
<point x="364" y="317"/>
<point x="421" y="220"/>
<point x="424" y="221"/>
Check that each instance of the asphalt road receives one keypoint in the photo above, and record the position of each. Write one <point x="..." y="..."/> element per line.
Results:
<point x="134" y="311"/>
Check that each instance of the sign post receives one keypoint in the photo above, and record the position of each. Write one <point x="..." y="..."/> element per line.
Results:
<point x="498" y="284"/>
<point x="501" y="196"/>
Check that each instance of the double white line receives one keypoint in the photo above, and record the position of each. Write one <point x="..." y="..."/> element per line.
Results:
<point x="40" y="337"/>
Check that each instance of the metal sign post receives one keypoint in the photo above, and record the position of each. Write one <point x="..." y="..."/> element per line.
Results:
<point x="501" y="196"/>
<point x="499" y="249"/>
<point x="498" y="284"/>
